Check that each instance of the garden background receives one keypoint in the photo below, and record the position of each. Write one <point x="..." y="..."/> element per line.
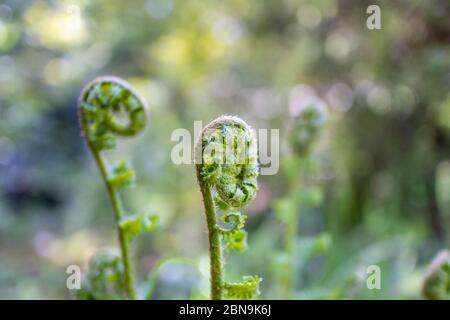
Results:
<point x="382" y="161"/>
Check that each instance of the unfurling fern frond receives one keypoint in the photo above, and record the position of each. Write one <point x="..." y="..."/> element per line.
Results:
<point x="234" y="237"/>
<point x="109" y="107"/>
<point x="229" y="162"/>
<point x="306" y="128"/>
<point x="227" y="170"/>
<point x="245" y="290"/>
<point x="101" y="102"/>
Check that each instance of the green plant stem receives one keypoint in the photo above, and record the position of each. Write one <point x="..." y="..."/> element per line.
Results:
<point x="215" y="248"/>
<point x="290" y="239"/>
<point x="118" y="214"/>
<point x="292" y="233"/>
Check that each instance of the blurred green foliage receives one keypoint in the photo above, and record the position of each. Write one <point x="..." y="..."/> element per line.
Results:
<point x="382" y="159"/>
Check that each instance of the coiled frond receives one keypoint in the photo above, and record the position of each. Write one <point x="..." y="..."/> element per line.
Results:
<point x="227" y="170"/>
<point x="306" y="128"/>
<point x="101" y="104"/>
<point x="109" y="107"/>
<point x="234" y="237"/>
<point x="436" y="285"/>
<point x="229" y="161"/>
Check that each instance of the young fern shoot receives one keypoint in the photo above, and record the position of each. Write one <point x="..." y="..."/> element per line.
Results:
<point x="227" y="170"/>
<point x="100" y="103"/>
<point x="304" y="132"/>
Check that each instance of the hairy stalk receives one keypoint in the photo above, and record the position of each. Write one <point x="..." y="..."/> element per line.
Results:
<point x="118" y="210"/>
<point x="101" y="105"/>
<point x="215" y="247"/>
<point x="227" y="170"/>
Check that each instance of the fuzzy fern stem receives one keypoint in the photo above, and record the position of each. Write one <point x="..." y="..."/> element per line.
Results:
<point x="227" y="170"/>
<point x="118" y="210"/>
<point x="215" y="247"/>
<point x="101" y="104"/>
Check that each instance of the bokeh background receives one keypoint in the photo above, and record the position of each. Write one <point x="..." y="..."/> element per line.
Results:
<point x="382" y="159"/>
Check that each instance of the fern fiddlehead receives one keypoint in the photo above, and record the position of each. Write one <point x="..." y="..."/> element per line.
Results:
<point x="304" y="132"/>
<point x="306" y="129"/>
<point x="101" y="104"/>
<point x="227" y="171"/>
<point x="436" y="285"/>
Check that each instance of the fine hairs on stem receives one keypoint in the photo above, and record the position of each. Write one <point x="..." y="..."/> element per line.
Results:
<point x="227" y="170"/>
<point x="101" y="104"/>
